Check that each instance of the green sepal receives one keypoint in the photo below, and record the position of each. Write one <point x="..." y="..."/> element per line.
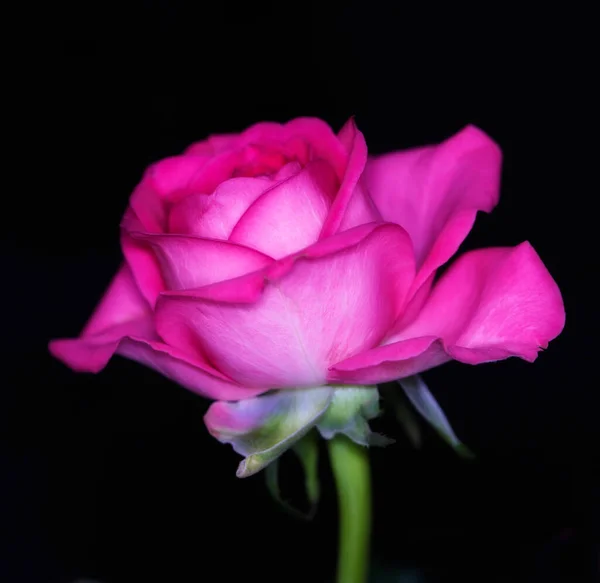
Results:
<point x="349" y="413"/>
<point x="307" y="451"/>
<point x="427" y="406"/>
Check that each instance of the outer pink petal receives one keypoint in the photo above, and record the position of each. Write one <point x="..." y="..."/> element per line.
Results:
<point x="92" y="353"/>
<point x="163" y="183"/>
<point x="147" y="207"/>
<point x="122" y="323"/>
<point x="120" y="303"/>
<point x="353" y="205"/>
<point x="141" y="259"/>
<point x="212" y="216"/>
<point x="172" y="177"/>
<point x="285" y="325"/>
<point x="290" y="215"/>
<point x="166" y="180"/>
<point x="490" y="305"/>
<point x="390" y="362"/>
<point x="436" y="191"/>
<point x="189" y="262"/>
<point x="215" y="215"/>
<point x="494" y="303"/>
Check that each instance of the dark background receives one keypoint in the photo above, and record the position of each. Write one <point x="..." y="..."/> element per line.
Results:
<point x="114" y="476"/>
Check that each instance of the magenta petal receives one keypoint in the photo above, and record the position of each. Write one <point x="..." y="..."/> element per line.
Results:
<point x="193" y="373"/>
<point x="121" y="303"/>
<point x="490" y="305"/>
<point x="141" y="259"/>
<point x="171" y="177"/>
<point x="166" y="180"/>
<point x="122" y="324"/>
<point x="302" y="140"/>
<point x="287" y="171"/>
<point x="214" y="215"/>
<point x="348" y="134"/>
<point x="436" y="191"/>
<point x="492" y="297"/>
<point x="390" y="362"/>
<point x="353" y="205"/>
<point x="214" y="144"/>
<point x="92" y="353"/>
<point x="147" y="207"/>
<point x="290" y="215"/>
<point x="189" y="262"/>
<point x="285" y="325"/>
<point x="323" y="142"/>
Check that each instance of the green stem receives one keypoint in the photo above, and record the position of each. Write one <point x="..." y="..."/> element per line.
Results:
<point x="350" y="464"/>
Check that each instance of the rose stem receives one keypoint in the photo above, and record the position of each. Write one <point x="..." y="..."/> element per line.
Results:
<point x="350" y="465"/>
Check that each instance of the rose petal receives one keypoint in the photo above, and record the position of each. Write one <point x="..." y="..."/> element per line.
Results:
<point x="501" y="301"/>
<point x="436" y="191"/>
<point x="263" y="428"/>
<point x="287" y="171"/>
<point x="398" y="359"/>
<point x="147" y="208"/>
<point x="290" y="215"/>
<point x="172" y="177"/>
<point x="123" y="324"/>
<point x="193" y="373"/>
<point x="92" y="353"/>
<point x="189" y="262"/>
<point x="214" y="144"/>
<point x="348" y="134"/>
<point x="390" y="362"/>
<point x="166" y="180"/>
<point x="353" y="205"/>
<point x="210" y="216"/>
<point x="321" y="139"/>
<point x="121" y="302"/>
<point x="285" y="325"/>
<point x="214" y="215"/>
<point x="141" y="259"/>
<point x="301" y="140"/>
<point x="490" y="305"/>
<point x="207" y="164"/>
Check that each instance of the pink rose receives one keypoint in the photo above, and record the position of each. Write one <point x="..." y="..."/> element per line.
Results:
<point x="283" y="257"/>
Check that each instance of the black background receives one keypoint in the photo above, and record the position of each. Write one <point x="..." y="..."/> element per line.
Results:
<point x="114" y="476"/>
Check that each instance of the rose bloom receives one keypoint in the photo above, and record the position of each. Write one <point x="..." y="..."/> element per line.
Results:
<point x="285" y="257"/>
